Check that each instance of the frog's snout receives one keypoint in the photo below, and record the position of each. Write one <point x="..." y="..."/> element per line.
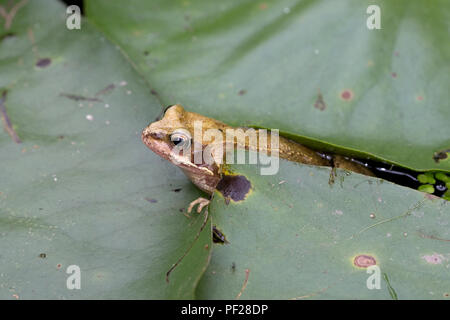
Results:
<point x="149" y="133"/>
<point x="145" y="133"/>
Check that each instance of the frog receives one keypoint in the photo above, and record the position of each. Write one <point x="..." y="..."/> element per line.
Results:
<point x="175" y="129"/>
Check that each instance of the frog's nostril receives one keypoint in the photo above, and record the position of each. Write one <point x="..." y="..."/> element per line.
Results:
<point x="157" y="135"/>
<point x="150" y="132"/>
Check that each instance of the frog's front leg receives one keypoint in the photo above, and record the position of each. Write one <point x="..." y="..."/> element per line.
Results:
<point x="202" y="202"/>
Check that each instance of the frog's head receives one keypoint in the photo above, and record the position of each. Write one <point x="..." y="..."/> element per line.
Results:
<point x="175" y="132"/>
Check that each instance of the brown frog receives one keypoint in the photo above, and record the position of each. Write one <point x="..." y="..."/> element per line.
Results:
<point x="176" y="131"/>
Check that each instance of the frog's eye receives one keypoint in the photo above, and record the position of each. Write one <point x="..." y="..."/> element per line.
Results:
<point x="181" y="138"/>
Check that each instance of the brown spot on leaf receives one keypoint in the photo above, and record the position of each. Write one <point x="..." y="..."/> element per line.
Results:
<point x="5" y="119"/>
<point x="176" y="190"/>
<point x="242" y="92"/>
<point x="107" y="89"/>
<point x="432" y="237"/>
<point x="440" y="155"/>
<point x="77" y="97"/>
<point x="151" y="200"/>
<point x="364" y="261"/>
<point x="394" y="74"/>
<point x="435" y="258"/>
<point x="234" y="187"/>
<point x="320" y="104"/>
<point x="43" y="62"/>
<point x="347" y="95"/>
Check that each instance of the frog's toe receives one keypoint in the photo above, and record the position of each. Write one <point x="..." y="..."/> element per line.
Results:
<point x="202" y="202"/>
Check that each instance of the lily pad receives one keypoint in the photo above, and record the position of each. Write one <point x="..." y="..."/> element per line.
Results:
<point x="317" y="241"/>
<point x="312" y="69"/>
<point x="80" y="188"/>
